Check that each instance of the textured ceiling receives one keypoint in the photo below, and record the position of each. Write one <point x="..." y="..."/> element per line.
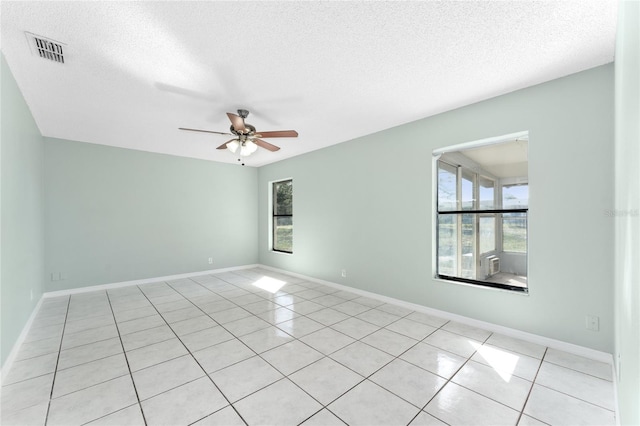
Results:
<point x="333" y="71"/>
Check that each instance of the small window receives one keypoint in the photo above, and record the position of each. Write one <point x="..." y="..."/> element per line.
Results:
<point x="482" y="209"/>
<point x="283" y="216"/>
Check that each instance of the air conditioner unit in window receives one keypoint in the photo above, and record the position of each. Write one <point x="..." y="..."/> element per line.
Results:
<point x="494" y="266"/>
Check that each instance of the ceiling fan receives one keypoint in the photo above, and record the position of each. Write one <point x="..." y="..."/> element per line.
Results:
<point x="247" y="139"/>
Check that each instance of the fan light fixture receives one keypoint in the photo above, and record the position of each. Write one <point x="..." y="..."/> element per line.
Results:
<point x="247" y="147"/>
<point x="233" y="146"/>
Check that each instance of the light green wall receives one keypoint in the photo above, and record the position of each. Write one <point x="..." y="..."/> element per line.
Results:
<point x="22" y="225"/>
<point x="365" y="205"/>
<point x="116" y="215"/>
<point x="627" y="209"/>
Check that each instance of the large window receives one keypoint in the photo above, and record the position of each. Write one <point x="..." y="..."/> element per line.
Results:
<point x="282" y="195"/>
<point x="481" y="209"/>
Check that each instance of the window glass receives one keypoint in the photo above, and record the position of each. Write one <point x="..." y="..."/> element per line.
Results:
<point x="283" y="234"/>
<point x="448" y="244"/>
<point x="283" y="216"/>
<point x="514" y="232"/>
<point x="486" y="193"/>
<point x="467" y="190"/>
<point x="283" y="197"/>
<point x="468" y="246"/>
<point x="515" y="196"/>
<point x="447" y="187"/>
<point x="487" y="234"/>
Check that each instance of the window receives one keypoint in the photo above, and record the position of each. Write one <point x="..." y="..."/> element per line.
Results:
<point x="282" y="195"/>
<point x="481" y="214"/>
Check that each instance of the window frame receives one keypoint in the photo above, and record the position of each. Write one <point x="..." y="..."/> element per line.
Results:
<point x="496" y="212"/>
<point x="275" y="215"/>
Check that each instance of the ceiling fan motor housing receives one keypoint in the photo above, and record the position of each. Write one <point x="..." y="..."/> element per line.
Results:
<point x="248" y="130"/>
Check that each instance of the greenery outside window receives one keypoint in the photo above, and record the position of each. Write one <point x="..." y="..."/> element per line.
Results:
<point x="282" y="195"/>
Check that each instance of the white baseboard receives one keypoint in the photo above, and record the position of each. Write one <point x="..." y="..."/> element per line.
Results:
<point x="511" y="332"/>
<point x="518" y="334"/>
<point x="143" y="281"/>
<point x="614" y="368"/>
<point x="18" y="343"/>
<point x="25" y="330"/>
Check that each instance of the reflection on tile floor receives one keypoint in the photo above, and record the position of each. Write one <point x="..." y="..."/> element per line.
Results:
<point x="261" y="348"/>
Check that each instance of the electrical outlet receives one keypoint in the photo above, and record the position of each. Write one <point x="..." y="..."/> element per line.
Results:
<point x="31" y="295"/>
<point x="593" y="323"/>
<point x="63" y="276"/>
<point x="211" y="261"/>
<point x="55" y="276"/>
<point x="344" y="273"/>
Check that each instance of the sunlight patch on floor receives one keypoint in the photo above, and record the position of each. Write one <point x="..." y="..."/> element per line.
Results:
<point x="269" y="284"/>
<point x="503" y="363"/>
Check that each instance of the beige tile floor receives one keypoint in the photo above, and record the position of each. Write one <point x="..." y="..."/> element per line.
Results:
<point x="261" y="348"/>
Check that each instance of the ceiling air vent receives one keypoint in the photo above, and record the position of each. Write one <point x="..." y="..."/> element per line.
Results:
<point x="45" y="48"/>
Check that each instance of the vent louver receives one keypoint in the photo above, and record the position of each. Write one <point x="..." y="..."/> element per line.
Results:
<point x="46" y="49"/>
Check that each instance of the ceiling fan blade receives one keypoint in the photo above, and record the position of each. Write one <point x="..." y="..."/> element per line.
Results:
<point x="224" y="145"/>
<point x="279" y="134"/>
<point x="237" y="122"/>
<point x="204" y="131"/>
<point x="266" y="145"/>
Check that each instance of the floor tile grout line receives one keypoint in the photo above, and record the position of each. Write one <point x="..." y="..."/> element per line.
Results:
<point x="53" y="351"/>
<point x="95" y="384"/>
<point x="117" y="411"/>
<point x="87" y="362"/>
<point x="90" y="343"/>
<point x="149" y="344"/>
<point x="542" y="361"/>
<point x="45" y="338"/>
<point x="367" y="377"/>
<point x="449" y="380"/>
<point x="285" y="376"/>
<point x="188" y="295"/>
<point x="35" y="326"/>
<point x="519" y="354"/>
<point x="126" y="358"/>
<point x="533" y="382"/>
<point x="217" y="411"/>
<point x="335" y="414"/>
<point x="488" y="397"/>
<point x="306" y="315"/>
<point x="328" y="355"/>
<point x="575" y="397"/>
<point x="55" y="371"/>
<point x="578" y="371"/>
<point x="196" y="360"/>
<point x="324" y="326"/>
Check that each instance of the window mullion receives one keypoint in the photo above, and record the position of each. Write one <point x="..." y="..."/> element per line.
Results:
<point x="459" y="220"/>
